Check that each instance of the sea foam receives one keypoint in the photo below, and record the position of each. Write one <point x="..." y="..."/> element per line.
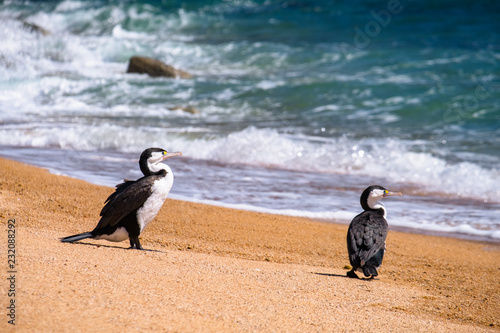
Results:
<point x="388" y="158"/>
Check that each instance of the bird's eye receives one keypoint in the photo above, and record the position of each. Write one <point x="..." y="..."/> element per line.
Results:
<point x="385" y="191"/>
<point x="164" y="153"/>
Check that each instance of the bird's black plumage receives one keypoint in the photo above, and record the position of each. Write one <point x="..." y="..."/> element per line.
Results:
<point x="127" y="198"/>
<point x="367" y="233"/>
<point x="120" y="215"/>
<point x="366" y="241"/>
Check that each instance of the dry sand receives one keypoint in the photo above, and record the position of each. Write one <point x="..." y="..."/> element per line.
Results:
<point x="211" y="269"/>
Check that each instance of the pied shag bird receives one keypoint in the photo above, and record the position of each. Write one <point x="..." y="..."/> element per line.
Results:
<point x="367" y="233"/>
<point x="134" y="204"/>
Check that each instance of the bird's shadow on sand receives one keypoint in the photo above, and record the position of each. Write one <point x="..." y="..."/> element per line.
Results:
<point x="117" y="247"/>
<point x="330" y="275"/>
<point x="343" y="276"/>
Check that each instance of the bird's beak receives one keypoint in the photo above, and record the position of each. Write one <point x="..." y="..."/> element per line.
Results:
<point x="168" y="155"/>
<point x="391" y="194"/>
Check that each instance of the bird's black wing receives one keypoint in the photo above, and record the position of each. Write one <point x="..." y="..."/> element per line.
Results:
<point x="366" y="235"/>
<point x="128" y="197"/>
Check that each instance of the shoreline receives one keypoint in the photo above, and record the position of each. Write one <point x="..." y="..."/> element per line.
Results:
<point x="210" y="268"/>
<point x="474" y="236"/>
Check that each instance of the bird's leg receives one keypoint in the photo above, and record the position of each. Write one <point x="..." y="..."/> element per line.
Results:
<point x="135" y="244"/>
<point x="351" y="274"/>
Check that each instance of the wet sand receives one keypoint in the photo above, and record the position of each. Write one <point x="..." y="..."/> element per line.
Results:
<point x="212" y="269"/>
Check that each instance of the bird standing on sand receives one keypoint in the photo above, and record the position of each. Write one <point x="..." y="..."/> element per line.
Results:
<point x="367" y="233"/>
<point x="134" y="204"/>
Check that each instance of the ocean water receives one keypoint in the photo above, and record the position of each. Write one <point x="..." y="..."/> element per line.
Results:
<point x="301" y="104"/>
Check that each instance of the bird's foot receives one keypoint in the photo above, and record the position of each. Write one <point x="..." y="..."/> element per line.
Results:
<point x="135" y="244"/>
<point x="352" y="275"/>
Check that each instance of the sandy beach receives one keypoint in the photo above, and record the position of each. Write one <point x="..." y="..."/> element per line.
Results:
<point x="212" y="269"/>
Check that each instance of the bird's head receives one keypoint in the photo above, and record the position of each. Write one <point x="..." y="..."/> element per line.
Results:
<point x="370" y="199"/>
<point x="151" y="160"/>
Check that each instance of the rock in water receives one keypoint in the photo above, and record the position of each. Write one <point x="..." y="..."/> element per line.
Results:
<point x="154" y="68"/>
<point x="35" y="28"/>
<point x="189" y="109"/>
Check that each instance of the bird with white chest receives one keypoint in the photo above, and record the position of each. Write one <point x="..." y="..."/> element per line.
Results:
<point x="134" y="204"/>
<point x="367" y="233"/>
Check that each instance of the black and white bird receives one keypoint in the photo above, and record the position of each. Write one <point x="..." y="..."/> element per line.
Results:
<point x="134" y="204"/>
<point x="367" y="233"/>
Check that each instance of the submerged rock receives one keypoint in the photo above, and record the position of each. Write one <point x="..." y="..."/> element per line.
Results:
<point x="154" y="68"/>
<point x="35" y="28"/>
<point x="189" y="109"/>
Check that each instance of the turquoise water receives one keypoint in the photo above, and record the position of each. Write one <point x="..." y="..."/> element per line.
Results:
<point x="301" y="105"/>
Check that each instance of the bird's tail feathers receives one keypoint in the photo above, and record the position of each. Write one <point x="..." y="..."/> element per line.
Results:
<point x="74" y="238"/>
